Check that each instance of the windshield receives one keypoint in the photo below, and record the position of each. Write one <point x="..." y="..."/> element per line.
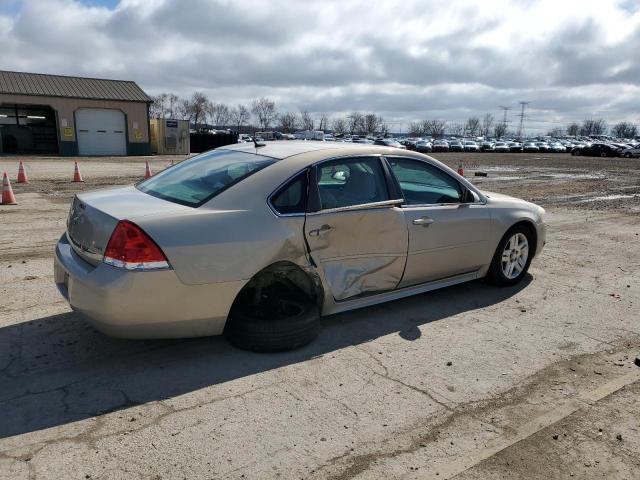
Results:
<point x="200" y="178"/>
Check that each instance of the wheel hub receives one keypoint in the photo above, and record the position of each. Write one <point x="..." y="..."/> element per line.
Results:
<point x="515" y="255"/>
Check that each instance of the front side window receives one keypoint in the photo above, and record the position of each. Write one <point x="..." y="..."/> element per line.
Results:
<point x="200" y="178"/>
<point x="424" y="184"/>
<point x="348" y="182"/>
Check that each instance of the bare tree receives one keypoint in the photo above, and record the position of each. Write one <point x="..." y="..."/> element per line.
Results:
<point x="355" y="122"/>
<point x="171" y="105"/>
<point x="592" y="126"/>
<point x="165" y="105"/>
<point x="499" y="130"/>
<point x="416" y="129"/>
<point x="573" y="129"/>
<point x="624" y="130"/>
<point x="555" y="132"/>
<point x="600" y="127"/>
<point x="183" y="110"/>
<point x="219" y="113"/>
<point x="288" y="122"/>
<point x="340" y="125"/>
<point x="487" y="124"/>
<point x="306" y="122"/>
<point x="196" y="108"/>
<point x="434" y="128"/>
<point x="157" y="108"/>
<point x="264" y="110"/>
<point x="239" y="116"/>
<point x="372" y="123"/>
<point x="324" y="122"/>
<point x="472" y="127"/>
<point x="456" y="129"/>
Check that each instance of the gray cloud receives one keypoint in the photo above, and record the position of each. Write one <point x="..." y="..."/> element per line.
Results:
<point x="406" y="60"/>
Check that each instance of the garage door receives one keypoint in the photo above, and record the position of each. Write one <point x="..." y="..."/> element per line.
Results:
<point x="101" y="132"/>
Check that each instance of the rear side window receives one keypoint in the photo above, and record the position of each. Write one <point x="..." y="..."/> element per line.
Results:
<point x="200" y="178"/>
<point x="292" y="197"/>
<point x="351" y="181"/>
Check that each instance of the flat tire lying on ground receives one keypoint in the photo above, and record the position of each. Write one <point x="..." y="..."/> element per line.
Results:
<point x="512" y="257"/>
<point x="260" y="333"/>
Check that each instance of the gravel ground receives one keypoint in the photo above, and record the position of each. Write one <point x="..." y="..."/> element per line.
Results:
<point x="535" y="381"/>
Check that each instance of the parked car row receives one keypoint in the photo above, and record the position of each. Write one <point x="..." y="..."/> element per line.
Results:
<point x="576" y="146"/>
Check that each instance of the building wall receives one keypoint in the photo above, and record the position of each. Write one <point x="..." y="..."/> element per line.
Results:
<point x="136" y="114"/>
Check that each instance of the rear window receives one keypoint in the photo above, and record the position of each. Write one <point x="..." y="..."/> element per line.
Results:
<point x="199" y="179"/>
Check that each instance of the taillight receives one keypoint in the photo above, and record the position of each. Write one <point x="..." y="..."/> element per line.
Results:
<point x="129" y="247"/>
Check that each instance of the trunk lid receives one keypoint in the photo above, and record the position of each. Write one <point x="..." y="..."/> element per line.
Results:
<point x="94" y="215"/>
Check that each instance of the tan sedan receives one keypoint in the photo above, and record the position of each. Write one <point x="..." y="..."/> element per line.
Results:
<point x="258" y="242"/>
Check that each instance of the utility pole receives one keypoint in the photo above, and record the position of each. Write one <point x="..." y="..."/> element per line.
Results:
<point x="521" y="129"/>
<point x="506" y="111"/>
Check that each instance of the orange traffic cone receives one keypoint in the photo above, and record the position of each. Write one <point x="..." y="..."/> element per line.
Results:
<point x="76" y="174"/>
<point x="147" y="170"/>
<point x="460" y="169"/>
<point x="7" y="192"/>
<point x="22" y="174"/>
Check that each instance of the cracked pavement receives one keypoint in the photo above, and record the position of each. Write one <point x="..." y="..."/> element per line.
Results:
<point x="469" y="382"/>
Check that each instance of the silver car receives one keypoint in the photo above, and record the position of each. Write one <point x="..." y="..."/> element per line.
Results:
<point x="259" y="241"/>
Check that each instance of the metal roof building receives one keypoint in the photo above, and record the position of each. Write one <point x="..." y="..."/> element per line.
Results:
<point x="56" y="114"/>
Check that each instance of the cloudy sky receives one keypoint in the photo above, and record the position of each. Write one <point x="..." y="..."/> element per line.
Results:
<point x="406" y="60"/>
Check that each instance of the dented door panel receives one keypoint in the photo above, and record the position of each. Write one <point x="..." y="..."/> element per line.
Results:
<point x="360" y="251"/>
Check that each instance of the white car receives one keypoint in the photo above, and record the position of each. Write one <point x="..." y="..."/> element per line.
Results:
<point x="471" y="147"/>
<point x="631" y="152"/>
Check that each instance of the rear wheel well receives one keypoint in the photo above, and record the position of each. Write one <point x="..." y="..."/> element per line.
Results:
<point x="281" y="279"/>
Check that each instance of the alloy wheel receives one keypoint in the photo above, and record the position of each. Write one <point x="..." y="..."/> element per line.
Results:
<point x="515" y="255"/>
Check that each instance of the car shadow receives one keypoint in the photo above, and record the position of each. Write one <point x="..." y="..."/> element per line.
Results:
<point x="56" y="370"/>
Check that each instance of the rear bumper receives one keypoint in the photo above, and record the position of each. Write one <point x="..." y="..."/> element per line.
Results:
<point x="130" y="304"/>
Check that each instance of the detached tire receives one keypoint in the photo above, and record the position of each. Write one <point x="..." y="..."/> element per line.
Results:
<point x="512" y="258"/>
<point x="260" y="334"/>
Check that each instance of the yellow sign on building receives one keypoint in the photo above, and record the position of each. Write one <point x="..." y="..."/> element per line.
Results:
<point x="67" y="132"/>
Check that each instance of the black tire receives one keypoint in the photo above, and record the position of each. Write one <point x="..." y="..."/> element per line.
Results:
<point x="495" y="275"/>
<point x="274" y="334"/>
<point x="627" y="155"/>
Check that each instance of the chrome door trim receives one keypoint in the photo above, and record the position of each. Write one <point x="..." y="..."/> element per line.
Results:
<point x="362" y="206"/>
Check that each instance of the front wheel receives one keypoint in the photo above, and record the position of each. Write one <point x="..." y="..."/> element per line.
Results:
<point x="627" y="155"/>
<point x="512" y="257"/>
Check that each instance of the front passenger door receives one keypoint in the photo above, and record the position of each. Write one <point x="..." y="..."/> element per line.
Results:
<point x="448" y="229"/>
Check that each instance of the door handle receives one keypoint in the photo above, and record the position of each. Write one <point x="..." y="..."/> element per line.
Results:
<point x="319" y="231"/>
<point x="424" y="221"/>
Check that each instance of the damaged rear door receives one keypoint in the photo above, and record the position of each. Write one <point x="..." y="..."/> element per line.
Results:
<point x="356" y="232"/>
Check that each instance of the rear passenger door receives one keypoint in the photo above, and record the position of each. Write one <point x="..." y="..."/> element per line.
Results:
<point x="448" y="227"/>
<point x="355" y="230"/>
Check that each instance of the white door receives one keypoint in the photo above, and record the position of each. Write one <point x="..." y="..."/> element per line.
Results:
<point x="101" y="132"/>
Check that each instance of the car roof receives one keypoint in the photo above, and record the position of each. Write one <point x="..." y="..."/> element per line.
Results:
<point x="280" y="149"/>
